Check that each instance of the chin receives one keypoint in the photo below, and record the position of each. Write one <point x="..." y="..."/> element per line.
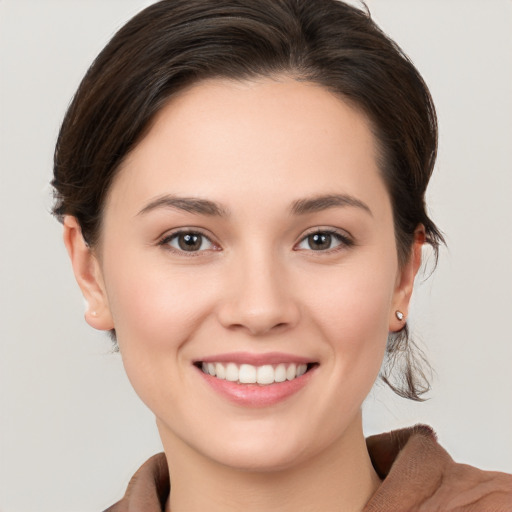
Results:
<point x="259" y="456"/>
<point x="266" y="445"/>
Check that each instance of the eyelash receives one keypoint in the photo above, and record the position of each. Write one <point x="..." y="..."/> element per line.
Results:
<point x="344" y="241"/>
<point x="167" y="239"/>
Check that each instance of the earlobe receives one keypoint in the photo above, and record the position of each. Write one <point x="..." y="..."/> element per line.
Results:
<point x="88" y="275"/>
<point x="405" y="283"/>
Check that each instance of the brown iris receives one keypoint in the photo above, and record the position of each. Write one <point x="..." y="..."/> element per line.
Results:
<point x="190" y="241"/>
<point x="320" y="241"/>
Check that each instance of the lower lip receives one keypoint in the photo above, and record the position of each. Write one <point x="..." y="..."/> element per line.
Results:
<point x="255" y="395"/>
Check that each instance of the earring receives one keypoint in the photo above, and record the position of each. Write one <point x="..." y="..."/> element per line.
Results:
<point x="94" y="314"/>
<point x="399" y="315"/>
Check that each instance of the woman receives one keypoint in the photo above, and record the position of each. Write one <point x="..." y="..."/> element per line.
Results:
<point x="242" y="191"/>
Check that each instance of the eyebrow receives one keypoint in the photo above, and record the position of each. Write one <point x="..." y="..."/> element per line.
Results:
<point x="319" y="203"/>
<point x="187" y="204"/>
<point x="299" y="207"/>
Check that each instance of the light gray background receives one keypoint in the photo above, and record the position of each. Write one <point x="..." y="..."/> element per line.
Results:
<point x="71" y="429"/>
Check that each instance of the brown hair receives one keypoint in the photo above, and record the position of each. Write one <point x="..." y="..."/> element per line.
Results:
<point x="175" y="43"/>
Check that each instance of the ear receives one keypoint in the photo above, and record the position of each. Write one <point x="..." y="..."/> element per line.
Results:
<point x="405" y="282"/>
<point x="88" y="275"/>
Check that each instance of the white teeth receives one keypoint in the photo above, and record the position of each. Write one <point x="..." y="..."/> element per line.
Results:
<point x="220" y="370"/>
<point x="280" y="373"/>
<point x="291" y="372"/>
<point x="232" y="372"/>
<point x="249" y="374"/>
<point x="265" y="374"/>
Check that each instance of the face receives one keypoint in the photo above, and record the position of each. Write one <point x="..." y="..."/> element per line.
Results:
<point x="248" y="264"/>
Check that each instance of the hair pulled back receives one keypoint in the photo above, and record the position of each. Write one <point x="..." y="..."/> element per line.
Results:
<point x="175" y="43"/>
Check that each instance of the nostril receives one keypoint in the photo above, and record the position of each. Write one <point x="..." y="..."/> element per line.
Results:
<point x="257" y="311"/>
<point x="281" y="326"/>
<point x="257" y="327"/>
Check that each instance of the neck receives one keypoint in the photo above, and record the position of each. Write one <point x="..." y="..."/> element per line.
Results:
<point x="341" y="479"/>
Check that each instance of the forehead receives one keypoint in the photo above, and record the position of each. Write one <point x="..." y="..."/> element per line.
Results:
<point x="270" y="137"/>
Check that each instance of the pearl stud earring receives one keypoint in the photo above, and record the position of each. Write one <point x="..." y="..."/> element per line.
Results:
<point x="399" y="315"/>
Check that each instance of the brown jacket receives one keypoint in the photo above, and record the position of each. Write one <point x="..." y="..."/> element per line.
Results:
<point x="418" y="475"/>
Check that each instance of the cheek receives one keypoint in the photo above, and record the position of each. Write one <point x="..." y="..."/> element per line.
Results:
<point x="155" y="304"/>
<point x="155" y="316"/>
<point x="156" y="310"/>
<point x="357" y="299"/>
<point x="354" y="317"/>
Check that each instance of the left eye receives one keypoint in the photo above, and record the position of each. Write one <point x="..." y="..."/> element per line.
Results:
<point x="189" y="241"/>
<point x="322" y="241"/>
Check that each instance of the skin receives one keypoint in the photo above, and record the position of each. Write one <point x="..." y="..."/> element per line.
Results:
<point x="255" y="149"/>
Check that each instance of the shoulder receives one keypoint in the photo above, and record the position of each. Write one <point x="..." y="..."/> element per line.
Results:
<point x="148" y="489"/>
<point x="419" y="474"/>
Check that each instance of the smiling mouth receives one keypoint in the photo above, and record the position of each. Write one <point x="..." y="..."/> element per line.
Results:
<point x="248" y="374"/>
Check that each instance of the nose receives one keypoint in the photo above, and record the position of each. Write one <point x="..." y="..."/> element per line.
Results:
<point x="259" y="298"/>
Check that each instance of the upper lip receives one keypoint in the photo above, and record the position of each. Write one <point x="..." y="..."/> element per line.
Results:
<point x="255" y="359"/>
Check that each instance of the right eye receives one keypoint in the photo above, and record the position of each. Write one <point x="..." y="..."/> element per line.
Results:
<point x="324" y="241"/>
<point x="188" y="241"/>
